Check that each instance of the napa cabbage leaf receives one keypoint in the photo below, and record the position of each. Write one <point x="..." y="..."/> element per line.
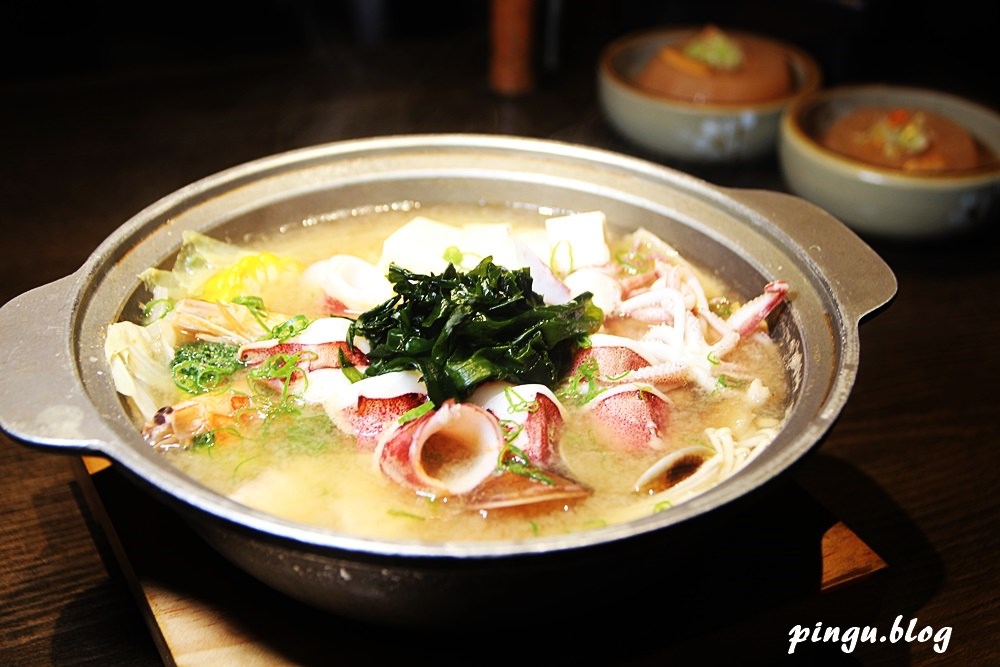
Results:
<point x="214" y="270"/>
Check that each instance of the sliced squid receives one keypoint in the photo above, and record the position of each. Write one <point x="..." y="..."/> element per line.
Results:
<point x="530" y="413"/>
<point x="375" y="416"/>
<point x="448" y="451"/>
<point x="369" y="407"/>
<point x="351" y="284"/>
<point x="543" y="280"/>
<point x="503" y="490"/>
<point x="327" y="384"/>
<point x="313" y="355"/>
<point x="616" y="357"/>
<point x="618" y="360"/>
<point x="632" y="416"/>
<point x="672" y="469"/>
<point x="323" y="344"/>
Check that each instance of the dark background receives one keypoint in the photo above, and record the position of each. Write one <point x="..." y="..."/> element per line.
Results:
<point x="948" y="45"/>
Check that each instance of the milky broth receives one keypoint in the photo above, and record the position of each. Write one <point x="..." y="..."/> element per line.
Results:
<point x="303" y="469"/>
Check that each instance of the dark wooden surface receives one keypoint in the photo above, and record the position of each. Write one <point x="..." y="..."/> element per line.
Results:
<point x="93" y="131"/>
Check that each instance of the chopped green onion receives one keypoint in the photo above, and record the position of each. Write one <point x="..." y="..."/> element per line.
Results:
<point x="290" y="328"/>
<point x="554" y="256"/>
<point x="416" y="413"/>
<point x="203" y="440"/>
<point x="517" y="403"/>
<point x="721" y="306"/>
<point x="203" y="366"/>
<point x="160" y="306"/>
<point x="513" y="459"/>
<point x="282" y="332"/>
<point x="583" y="385"/>
<point x="511" y="429"/>
<point x="453" y="254"/>
<point x="347" y="368"/>
<point x="634" y="262"/>
<point x="284" y="367"/>
<point x="731" y="382"/>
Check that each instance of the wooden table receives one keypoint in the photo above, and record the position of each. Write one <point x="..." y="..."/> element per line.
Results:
<point x="910" y="468"/>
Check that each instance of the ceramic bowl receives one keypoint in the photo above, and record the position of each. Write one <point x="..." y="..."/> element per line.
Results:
<point x="698" y="132"/>
<point x="888" y="202"/>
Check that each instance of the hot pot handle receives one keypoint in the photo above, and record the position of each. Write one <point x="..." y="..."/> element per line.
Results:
<point x="42" y="399"/>
<point x="861" y="280"/>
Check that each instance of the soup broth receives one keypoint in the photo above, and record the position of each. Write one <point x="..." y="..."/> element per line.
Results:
<point x="712" y="400"/>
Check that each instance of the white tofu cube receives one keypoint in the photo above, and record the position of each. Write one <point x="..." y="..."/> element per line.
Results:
<point x="489" y="239"/>
<point x="576" y="241"/>
<point x="420" y="245"/>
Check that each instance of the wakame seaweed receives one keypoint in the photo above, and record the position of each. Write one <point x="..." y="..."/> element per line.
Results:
<point x="460" y="329"/>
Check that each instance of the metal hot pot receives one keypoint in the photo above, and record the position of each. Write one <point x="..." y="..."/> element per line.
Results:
<point x="56" y="392"/>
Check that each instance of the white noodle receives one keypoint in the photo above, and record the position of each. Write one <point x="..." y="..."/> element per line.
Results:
<point x="729" y="455"/>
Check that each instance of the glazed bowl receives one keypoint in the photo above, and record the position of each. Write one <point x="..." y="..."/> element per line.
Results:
<point x="688" y="131"/>
<point x="56" y="392"/>
<point x="886" y="202"/>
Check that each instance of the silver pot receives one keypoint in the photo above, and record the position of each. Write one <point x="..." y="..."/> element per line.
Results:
<point x="57" y="393"/>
